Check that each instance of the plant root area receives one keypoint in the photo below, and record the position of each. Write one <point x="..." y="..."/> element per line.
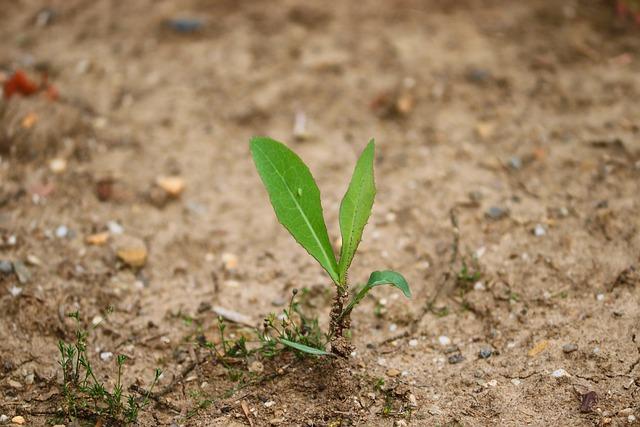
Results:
<point x="508" y="175"/>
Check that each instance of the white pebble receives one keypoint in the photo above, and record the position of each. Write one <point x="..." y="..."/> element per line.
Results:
<point x="559" y="373"/>
<point x="4" y="418"/>
<point x="480" y="251"/>
<point x="631" y="419"/>
<point x="600" y="297"/>
<point x="382" y="361"/>
<point x="115" y="228"/>
<point x="413" y="343"/>
<point x="479" y="286"/>
<point x="516" y="381"/>
<point x="62" y="231"/>
<point x="15" y="291"/>
<point x="539" y="230"/>
<point x="97" y="320"/>
<point x="444" y="340"/>
<point x="105" y="356"/>
<point x="269" y="404"/>
<point x="393" y="327"/>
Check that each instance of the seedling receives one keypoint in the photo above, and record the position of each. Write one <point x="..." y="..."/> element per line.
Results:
<point x="295" y="198"/>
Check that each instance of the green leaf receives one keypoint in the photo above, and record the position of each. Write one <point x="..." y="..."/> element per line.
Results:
<point x="295" y="198"/>
<point x="305" y="348"/>
<point x="379" y="278"/>
<point x="355" y="208"/>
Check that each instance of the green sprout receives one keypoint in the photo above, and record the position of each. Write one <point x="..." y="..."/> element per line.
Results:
<point x="295" y="198"/>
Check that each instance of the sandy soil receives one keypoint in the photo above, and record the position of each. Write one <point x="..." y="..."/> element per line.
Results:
<point x="517" y="121"/>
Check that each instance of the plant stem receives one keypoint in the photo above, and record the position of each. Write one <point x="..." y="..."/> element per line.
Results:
<point x="339" y="322"/>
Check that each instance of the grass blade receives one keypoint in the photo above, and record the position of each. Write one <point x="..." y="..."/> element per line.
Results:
<point x="295" y="197"/>
<point x="305" y="348"/>
<point x="355" y="208"/>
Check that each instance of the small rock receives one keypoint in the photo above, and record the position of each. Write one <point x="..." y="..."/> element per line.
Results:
<point x="6" y="267"/>
<point x="485" y="352"/>
<point x="600" y="297"/>
<point x="29" y="379"/>
<point x="185" y="25"/>
<point x="131" y="250"/>
<point x="22" y="272"/>
<point x="496" y="213"/>
<point x="33" y="260"/>
<point x="114" y="227"/>
<point x="434" y="410"/>
<point x="455" y="358"/>
<point x="444" y="340"/>
<point x="105" y="356"/>
<point x="97" y="239"/>
<point x="515" y="162"/>
<point x="15" y="291"/>
<point x="479" y="286"/>
<point x="18" y="419"/>
<point x="631" y="419"/>
<point x="256" y="367"/>
<point x="625" y="412"/>
<point x="172" y="185"/>
<point x="62" y="231"/>
<point x="58" y="165"/>
<point x="230" y="261"/>
<point x="400" y="423"/>
<point x="269" y="403"/>
<point x="300" y="132"/>
<point x="538" y="348"/>
<point x="569" y="348"/>
<point x="539" y="230"/>
<point x="392" y="372"/>
<point x="276" y="421"/>
<point x="14" y="384"/>
<point x="412" y="400"/>
<point x="413" y="343"/>
<point x="4" y="418"/>
<point x="516" y="382"/>
<point x="560" y="373"/>
<point x="491" y="383"/>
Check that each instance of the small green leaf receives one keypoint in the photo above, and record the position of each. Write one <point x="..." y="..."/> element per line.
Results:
<point x="389" y="277"/>
<point x="378" y="278"/>
<point x="305" y="348"/>
<point x="295" y="197"/>
<point x="355" y="208"/>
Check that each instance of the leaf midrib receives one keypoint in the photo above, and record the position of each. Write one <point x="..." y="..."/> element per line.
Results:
<point x="304" y="215"/>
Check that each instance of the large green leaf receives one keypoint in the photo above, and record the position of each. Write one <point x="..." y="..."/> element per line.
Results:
<point x="355" y="208"/>
<point x="295" y="198"/>
<point x="379" y="278"/>
<point x="304" y="348"/>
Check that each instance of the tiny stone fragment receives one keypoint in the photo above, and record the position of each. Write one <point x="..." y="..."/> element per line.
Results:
<point x="131" y="250"/>
<point x="6" y="267"/>
<point x="589" y="400"/>
<point x="485" y="353"/>
<point x="538" y="348"/>
<point x="18" y="419"/>
<point x="98" y="239"/>
<point x="569" y="348"/>
<point x="392" y="372"/>
<point x="172" y="185"/>
<point x="456" y="358"/>
<point x="22" y="272"/>
<point x="496" y="213"/>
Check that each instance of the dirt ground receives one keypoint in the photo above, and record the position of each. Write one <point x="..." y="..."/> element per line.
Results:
<point x="508" y="139"/>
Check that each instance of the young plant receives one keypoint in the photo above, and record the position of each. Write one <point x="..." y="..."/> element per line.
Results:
<point x="296" y="200"/>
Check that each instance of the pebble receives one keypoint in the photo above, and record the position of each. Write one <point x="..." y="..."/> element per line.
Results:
<point x="105" y="356"/>
<point x="444" y="340"/>
<point x="400" y="423"/>
<point x="276" y="421"/>
<point x="569" y="348"/>
<point x="18" y="419"/>
<point x="6" y="267"/>
<point x="516" y="381"/>
<point x="625" y="412"/>
<point x="600" y="297"/>
<point x="230" y="261"/>
<point x="62" y="231"/>
<point x="539" y="230"/>
<point x="58" y="165"/>
<point x="131" y="250"/>
<point x="185" y="25"/>
<point x="22" y="272"/>
<point x="97" y="239"/>
<point x="172" y="185"/>
<point x="631" y="419"/>
<point x="455" y="358"/>
<point x="479" y="286"/>
<point x="492" y="383"/>
<point x="559" y="373"/>
<point x="14" y="384"/>
<point x="413" y="343"/>
<point x="29" y="379"/>
<point x="15" y="291"/>
<point x="269" y="403"/>
<point x="115" y="228"/>
<point x="515" y="162"/>
<point x="4" y="418"/>
<point x="392" y="372"/>
<point x="412" y="400"/>
<point x="538" y="348"/>
<point x="256" y="367"/>
<point x="496" y="212"/>
<point x="485" y="352"/>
